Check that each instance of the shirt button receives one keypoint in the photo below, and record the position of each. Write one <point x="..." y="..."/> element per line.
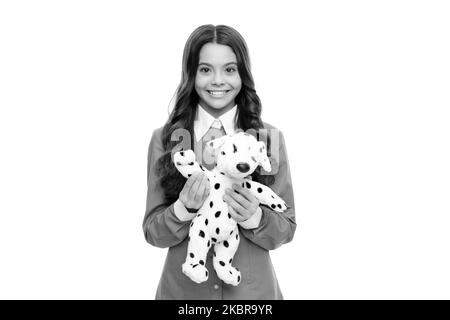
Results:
<point x="216" y="286"/>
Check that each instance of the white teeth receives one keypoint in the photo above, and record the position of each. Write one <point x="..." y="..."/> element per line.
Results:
<point x="217" y="93"/>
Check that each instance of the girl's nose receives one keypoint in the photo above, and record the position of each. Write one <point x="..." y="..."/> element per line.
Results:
<point x="218" y="79"/>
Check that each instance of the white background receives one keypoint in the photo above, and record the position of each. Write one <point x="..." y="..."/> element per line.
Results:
<point x="359" y="88"/>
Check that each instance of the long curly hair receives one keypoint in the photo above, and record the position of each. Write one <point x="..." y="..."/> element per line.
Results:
<point x="183" y="114"/>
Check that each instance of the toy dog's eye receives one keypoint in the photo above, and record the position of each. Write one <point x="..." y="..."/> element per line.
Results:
<point x="234" y="148"/>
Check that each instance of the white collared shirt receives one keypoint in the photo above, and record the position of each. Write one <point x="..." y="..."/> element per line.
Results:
<point x="204" y="121"/>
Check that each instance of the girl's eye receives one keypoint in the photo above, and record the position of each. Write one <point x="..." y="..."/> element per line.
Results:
<point x="206" y="69"/>
<point x="203" y="68"/>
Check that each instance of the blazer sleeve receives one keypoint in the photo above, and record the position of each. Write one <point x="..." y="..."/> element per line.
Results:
<point x="275" y="228"/>
<point x="162" y="227"/>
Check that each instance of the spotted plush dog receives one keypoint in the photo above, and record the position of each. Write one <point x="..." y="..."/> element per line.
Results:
<point x="237" y="157"/>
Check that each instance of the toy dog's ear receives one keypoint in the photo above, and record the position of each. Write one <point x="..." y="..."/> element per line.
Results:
<point x="217" y="143"/>
<point x="263" y="160"/>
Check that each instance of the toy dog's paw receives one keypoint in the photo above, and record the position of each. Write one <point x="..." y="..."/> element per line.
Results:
<point x="278" y="206"/>
<point x="182" y="158"/>
<point x="196" y="272"/>
<point x="230" y="275"/>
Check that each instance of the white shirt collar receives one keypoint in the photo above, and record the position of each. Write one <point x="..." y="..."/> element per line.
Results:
<point x="204" y="121"/>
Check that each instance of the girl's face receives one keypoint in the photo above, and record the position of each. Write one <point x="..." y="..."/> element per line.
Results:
<point x="217" y="81"/>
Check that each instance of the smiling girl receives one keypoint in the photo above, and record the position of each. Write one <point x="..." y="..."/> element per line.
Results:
<point x="216" y="96"/>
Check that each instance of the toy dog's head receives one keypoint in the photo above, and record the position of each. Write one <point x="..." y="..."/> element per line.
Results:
<point x="238" y="155"/>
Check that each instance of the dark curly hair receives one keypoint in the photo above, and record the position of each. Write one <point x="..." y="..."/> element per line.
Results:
<point x="183" y="113"/>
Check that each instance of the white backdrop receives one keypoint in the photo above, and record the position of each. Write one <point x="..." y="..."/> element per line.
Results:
<point x="359" y="88"/>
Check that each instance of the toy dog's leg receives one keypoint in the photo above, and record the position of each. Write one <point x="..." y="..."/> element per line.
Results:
<point x="198" y="247"/>
<point x="186" y="164"/>
<point x="223" y="257"/>
<point x="265" y="195"/>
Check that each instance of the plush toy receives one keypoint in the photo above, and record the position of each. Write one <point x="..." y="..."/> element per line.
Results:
<point x="238" y="156"/>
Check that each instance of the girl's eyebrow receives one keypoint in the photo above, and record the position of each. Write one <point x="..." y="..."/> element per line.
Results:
<point x="205" y="63"/>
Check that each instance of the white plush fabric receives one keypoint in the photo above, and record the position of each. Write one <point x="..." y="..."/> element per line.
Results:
<point x="238" y="156"/>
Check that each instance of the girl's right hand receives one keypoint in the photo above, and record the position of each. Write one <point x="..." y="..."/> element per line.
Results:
<point x="195" y="191"/>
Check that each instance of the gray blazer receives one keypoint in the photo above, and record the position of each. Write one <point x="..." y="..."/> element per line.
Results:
<point x="163" y="229"/>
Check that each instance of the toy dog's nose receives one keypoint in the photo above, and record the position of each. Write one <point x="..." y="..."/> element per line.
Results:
<point x="243" y="167"/>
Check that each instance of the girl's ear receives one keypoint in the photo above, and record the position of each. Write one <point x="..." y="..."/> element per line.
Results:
<point x="263" y="160"/>
<point x="217" y="143"/>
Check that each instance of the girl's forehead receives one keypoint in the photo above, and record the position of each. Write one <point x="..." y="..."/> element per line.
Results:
<point x="213" y="53"/>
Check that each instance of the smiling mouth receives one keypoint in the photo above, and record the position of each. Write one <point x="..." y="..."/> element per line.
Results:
<point x="217" y="93"/>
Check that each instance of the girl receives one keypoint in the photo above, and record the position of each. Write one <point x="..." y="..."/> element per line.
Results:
<point x="216" y="94"/>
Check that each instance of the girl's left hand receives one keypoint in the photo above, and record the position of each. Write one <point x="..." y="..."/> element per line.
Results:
<point x="242" y="204"/>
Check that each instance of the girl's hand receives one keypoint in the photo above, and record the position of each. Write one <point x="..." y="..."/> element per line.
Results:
<point x="195" y="191"/>
<point x="242" y="204"/>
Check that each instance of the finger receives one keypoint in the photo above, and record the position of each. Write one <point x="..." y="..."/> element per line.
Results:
<point x="201" y="189"/>
<point x="193" y="191"/>
<point x="235" y="215"/>
<point x="206" y="192"/>
<point x="238" y="198"/>
<point x="190" y="182"/>
<point x="245" y="193"/>
<point x="202" y="186"/>
<point x="235" y="205"/>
